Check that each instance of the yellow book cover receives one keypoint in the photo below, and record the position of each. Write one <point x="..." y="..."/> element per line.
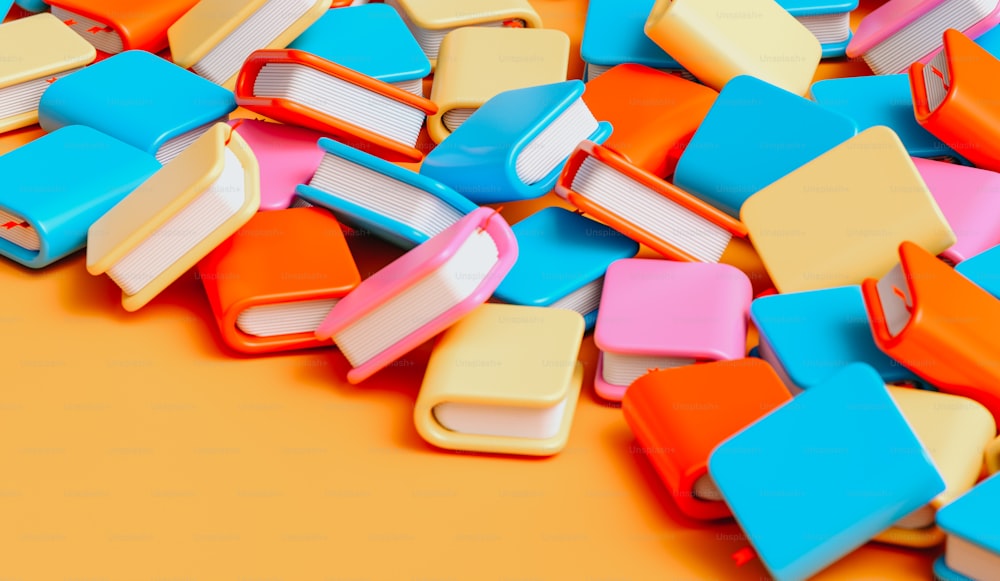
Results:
<point x="476" y="64"/>
<point x="717" y="40"/>
<point x="841" y="217"/>
<point x="34" y="52"/>
<point x="504" y="379"/>
<point x="170" y="222"/>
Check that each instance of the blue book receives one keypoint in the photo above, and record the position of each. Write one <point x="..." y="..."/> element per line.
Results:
<point x="561" y="260"/>
<point x="983" y="269"/>
<point x="809" y="336"/>
<point x="32" y="5"/>
<point x="828" y="20"/>
<point x="139" y="98"/>
<point x="754" y="134"/>
<point x="824" y="473"/>
<point x="515" y="145"/>
<point x="55" y="187"/>
<point x="882" y="100"/>
<point x="368" y="193"/>
<point x="371" y="39"/>
<point x="972" y="523"/>
<point x="613" y="35"/>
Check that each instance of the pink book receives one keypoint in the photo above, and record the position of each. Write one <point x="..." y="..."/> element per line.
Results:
<point x="421" y="293"/>
<point x="969" y="198"/>
<point x="657" y="314"/>
<point x="287" y="156"/>
<point x="902" y="32"/>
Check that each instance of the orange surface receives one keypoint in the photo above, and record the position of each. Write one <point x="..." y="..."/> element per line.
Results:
<point x="133" y="446"/>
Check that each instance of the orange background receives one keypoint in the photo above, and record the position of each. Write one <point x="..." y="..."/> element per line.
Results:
<point x="134" y="446"/>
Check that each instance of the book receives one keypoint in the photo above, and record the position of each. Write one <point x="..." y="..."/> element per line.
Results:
<point x="644" y="207"/>
<point x="717" y="40"/>
<point x="946" y="103"/>
<point x="505" y="379"/>
<point x="810" y="335"/>
<point x="141" y="99"/>
<point x="431" y="20"/>
<point x="114" y="26"/>
<point x="371" y="39"/>
<point x="680" y="415"/>
<point x="983" y="270"/>
<point x="273" y="282"/>
<point x="759" y="133"/>
<point x="52" y="193"/>
<point x="516" y="144"/>
<point x="176" y="217"/>
<point x="823" y="473"/>
<point x="303" y="89"/>
<point x="421" y="293"/>
<point x="829" y="22"/>
<point x="836" y="221"/>
<point x="902" y="32"/>
<point x="41" y="51"/>
<point x="937" y="323"/>
<point x="967" y="198"/>
<point x="613" y="35"/>
<point x="954" y="430"/>
<point x="654" y="114"/>
<point x="659" y="314"/>
<point x="287" y="156"/>
<point x="476" y="64"/>
<point x="216" y="36"/>
<point x="561" y="260"/>
<point x="883" y="100"/>
<point x="32" y="5"/>
<point x="371" y="194"/>
<point x="972" y="550"/>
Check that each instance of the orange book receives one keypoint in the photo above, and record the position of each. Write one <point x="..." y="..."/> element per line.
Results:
<point x="680" y="415"/>
<point x="654" y="114"/>
<point x="114" y="26"/>
<point x="297" y="87"/>
<point x="938" y="324"/>
<point x="645" y="208"/>
<point x="274" y="281"/>
<point x="954" y="97"/>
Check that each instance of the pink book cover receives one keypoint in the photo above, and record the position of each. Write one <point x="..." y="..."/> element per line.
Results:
<point x="663" y="308"/>
<point x="410" y="269"/>
<point x="287" y="156"/>
<point x="969" y="198"/>
<point x="895" y="15"/>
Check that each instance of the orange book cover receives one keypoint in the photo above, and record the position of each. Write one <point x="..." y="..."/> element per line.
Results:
<point x="289" y="266"/>
<point x="654" y="114"/>
<point x="141" y="25"/>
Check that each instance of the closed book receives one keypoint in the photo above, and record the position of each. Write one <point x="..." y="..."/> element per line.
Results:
<point x="141" y="99"/>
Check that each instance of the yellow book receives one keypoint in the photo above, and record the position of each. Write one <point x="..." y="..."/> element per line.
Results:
<point x="476" y="64"/>
<point x="504" y="379"/>
<point x="841" y="217"/>
<point x="954" y="430"/>
<point x="717" y="40"/>
<point x="216" y="36"/>
<point x="35" y="52"/>
<point x="431" y="20"/>
<point x="174" y="219"/>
